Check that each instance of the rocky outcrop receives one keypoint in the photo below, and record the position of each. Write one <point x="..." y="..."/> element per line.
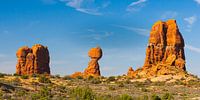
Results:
<point x="93" y="66"/>
<point x="165" y="51"/>
<point x="130" y="72"/>
<point x="33" y="60"/>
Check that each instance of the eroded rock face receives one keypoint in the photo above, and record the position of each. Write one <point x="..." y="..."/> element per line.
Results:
<point x="93" y="66"/>
<point x="165" y="51"/>
<point x="166" y="44"/>
<point x="33" y="60"/>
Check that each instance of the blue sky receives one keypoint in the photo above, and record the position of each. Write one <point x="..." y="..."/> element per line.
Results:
<point x="71" y="27"/>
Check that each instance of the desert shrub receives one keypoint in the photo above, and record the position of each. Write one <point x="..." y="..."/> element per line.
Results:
<point x="179" y="82"/>
<point x="120" y="84"/>
<point x="79" y="77"/>
<point x="127" y="81"/>
<point x="155" y="97"/>
<point x="24" y="77"/>
<point x="193" y="82"/>
<point x="45" y="92"/>
<point x="139" y="84"/>
<point x="144" y="89"/>
<point x="111" y="78"/>
<point x="2" y="75"/>
<point x="57" y="76"/>
<point x="125" y="97"/>
<point x="44" y="79"/>
<point x="167" y="96"/>
<point x="15" y="74"/>
<point x="35" y="96"/>
<point x="145" y="97"/>
<point x="67" y="77"/>
<point x="104" y="97"/>
<point x="35" y="75"/>
<point x="82" y="93"/>
<point x="20" y="92"/>
<point x="111" y="88"/>
<point x="95" y="81"/>
<point x="159" y="83"/>
<point x="16" y="81"/>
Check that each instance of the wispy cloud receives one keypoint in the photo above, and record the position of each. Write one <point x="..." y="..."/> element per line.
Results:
<point x="85" y="6"/>
<point x="136" y="5"/>
<point x="192" y="48"/>
<point x="98" y="35"/>
<point x="190" y="20"/>
<point x="169" y="15"/>
<point x="140" y="31"/>
<point x="197" y="1"/>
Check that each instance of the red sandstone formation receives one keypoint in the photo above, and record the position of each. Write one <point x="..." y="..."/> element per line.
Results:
<point x="93" y="67"/>
<point x="165" y="51"/>
<point x="33" y="60"/>
<point x="130" y="72"/>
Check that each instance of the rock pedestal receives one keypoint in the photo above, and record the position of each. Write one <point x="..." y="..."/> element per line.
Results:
<point x="93" y="66"/>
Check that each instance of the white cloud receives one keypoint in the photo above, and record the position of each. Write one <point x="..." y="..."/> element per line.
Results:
<point x="135" y="6"/>
<point x="140" y="31"/>
<point x="98" y="35"/>
<point x="192" y="48"/>
<point x="169" y="15"/>
<point x="190" y="20"/>
<point x="80" y="5"/>
<point x="198" y="1"/>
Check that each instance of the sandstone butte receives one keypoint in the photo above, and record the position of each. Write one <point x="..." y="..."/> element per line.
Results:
<point x="93" y="66"/>
<point x="164" y="52"/>
<point x="33" y="60"/>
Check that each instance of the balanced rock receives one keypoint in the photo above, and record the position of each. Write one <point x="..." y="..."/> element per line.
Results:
<point x="33" y="60"/>
<point x="165" y="51"/>
<point x="93" y="66"/>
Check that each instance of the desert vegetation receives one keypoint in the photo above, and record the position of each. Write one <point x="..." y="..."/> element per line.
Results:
<point x="45" y="87"/>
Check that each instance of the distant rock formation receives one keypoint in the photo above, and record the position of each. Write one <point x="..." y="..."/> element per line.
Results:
<point x="130" y="72"/>
<point x="165" y="51"/>
<point x="93" y="66"/>
<point x="33" y="60"/>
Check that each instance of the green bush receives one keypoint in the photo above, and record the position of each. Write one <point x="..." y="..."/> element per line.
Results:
<point x="79" y="77"/>
<point x="44" y="79"/>
<point x="67" y="77"/>
<point x="144" y="89"/>
<point x="82" y="93"/>
<point x="155" y="97"/>
<point x="111" y="88"/>
<point x="24" y="77"/>
<point x="2" y="75"/>
<point x="111" y="78"/>
<point x="15" y="74"/>
<point x="57" y="76"/>
<point x="167" y="96"/>
<point x="45" y="92"/>
<point x="120" y="84"/>
<point x="125" y="97"/>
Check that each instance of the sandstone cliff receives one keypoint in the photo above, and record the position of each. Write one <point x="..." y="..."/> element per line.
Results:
<point x="165" y="51"/>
